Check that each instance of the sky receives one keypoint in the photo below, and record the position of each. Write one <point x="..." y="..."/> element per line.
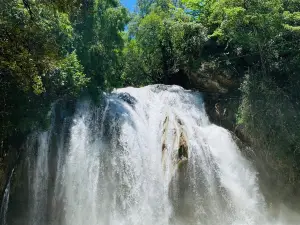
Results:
<point x="129" y="4"/>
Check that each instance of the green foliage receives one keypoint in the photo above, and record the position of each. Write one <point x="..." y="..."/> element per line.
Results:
<point x="38" y="61"/>
<point x="98" y="27"/>
<point x="68" y="77"/>
<point x="163" y="42"/>
<point x="134" y="68"/>
<point x="146" y="6"/>
<point x="271" y="121"/>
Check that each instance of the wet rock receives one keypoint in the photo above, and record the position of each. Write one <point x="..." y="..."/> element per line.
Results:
<point x="127" y="98"/>
<point x="179" y="121"/>
<point x="210" y="78"/>
<point x="165" y="126"/>
<point x="164" y="147"/>
<point x="181" y="156"/>
<point x="182" y="163"/>
<point x="183" y="148"/>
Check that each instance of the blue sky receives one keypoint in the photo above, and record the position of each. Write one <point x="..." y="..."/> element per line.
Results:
<point x="129" y="4"/>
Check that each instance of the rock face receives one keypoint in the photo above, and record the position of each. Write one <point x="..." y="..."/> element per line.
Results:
<point x="181" y="148"/>
<point x="210" y="79"/>
<point x="222" y="110"/>
<point x="164" y="132"/>
<point x="182" y="151"/>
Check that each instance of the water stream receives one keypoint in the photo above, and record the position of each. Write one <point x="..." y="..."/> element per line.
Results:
<point x="5" y="200"/>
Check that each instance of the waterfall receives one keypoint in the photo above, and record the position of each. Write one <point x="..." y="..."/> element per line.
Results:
<point x="5" y="200"/>
<point x="145" y="156"/>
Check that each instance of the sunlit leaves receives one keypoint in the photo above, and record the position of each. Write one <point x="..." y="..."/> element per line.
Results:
<point x="70" y="75"/>
<point x="163" y="41"/>
<point x="98" y="40"/>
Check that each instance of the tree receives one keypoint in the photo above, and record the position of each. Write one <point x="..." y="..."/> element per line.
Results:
<point x="98" y="25"/>
<point x="165" y="41"/>
<point x="37" y="61"/>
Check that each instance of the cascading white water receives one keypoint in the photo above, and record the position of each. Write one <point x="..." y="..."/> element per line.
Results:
<point x="148" y="156"/>
<point x="5" y="200"/>
<point x="39" y="180"/>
